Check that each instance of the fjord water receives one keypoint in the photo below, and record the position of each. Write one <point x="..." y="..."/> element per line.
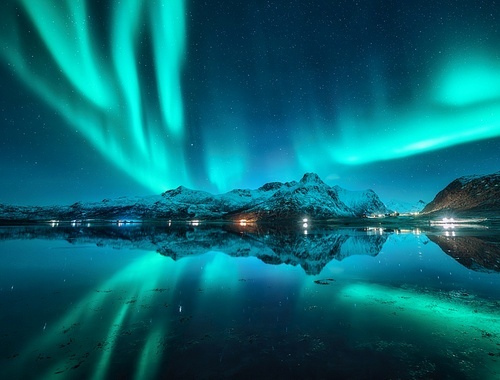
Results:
<point x="193" y="302"/>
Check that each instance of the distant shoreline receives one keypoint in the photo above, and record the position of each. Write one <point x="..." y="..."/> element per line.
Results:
<point x="434" y="220"/>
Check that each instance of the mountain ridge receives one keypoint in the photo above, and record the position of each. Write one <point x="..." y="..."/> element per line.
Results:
<point x="310" y="197"/>
<point x="274" y="202"/>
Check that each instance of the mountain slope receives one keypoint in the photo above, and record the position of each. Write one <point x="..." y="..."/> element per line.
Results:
<point x="405" y="207"/>
<point x="361" y="202"/>
<point x="310" y="197"/>
<point x="468" y="194"/>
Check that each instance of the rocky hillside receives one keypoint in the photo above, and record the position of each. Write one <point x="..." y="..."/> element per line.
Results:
<point x="468" y="194"/>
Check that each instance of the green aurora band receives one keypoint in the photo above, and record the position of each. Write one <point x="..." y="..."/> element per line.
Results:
<point x="104" y="99"/>
<point x="461" y="104"/>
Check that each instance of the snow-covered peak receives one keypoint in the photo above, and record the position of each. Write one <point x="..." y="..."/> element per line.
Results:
<point x="362" y="202"/>
<point x="183" y="191"/>
<point x="310" y="196"/>
<point x="184" y="195"/>
<point x="403" y="207"/>
<point x="271" y="186"/>
<point x="311" y="178"/>
<point x="470" y="178"/>
<point x="176" y="191"/>
<point x="467" y="178"/>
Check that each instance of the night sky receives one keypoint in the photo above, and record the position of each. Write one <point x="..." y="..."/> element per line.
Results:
<point x="102" y="99"/>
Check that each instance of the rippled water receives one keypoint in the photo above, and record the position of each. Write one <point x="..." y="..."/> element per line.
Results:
<point x="164" y="302"/>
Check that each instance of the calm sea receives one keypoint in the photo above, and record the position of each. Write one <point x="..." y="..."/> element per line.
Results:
<point x="212" y="302"/>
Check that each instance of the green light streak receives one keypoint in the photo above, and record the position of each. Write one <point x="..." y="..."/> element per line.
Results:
<point x="418" y="132"/>
<point x="69" y="43"/>
<point x="125" y="28"/>
<point x="150" y="358"/>
<point x="137" y="280"/>
<point x="101" y="369"/>
<point x="226" y="151"/>
<point x="443" y="321"/>
<point x="467" y="80"/>
<point x="216" y="271"/>
<point x="168" y="31"/>
<point x="434" y="312"/>
<point x="386" y="138"/>
<point x="224" y="168"/>
<point x="463" y="107"/>
<point x="100" y="94"/>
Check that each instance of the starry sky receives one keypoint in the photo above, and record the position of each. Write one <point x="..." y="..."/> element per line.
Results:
<point x="101" y="99"/>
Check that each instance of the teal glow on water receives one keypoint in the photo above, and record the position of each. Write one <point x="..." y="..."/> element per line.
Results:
<point x="154" y="302"/>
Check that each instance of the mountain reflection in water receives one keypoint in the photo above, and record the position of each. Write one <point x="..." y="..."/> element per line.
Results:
<point x="145" y="301"/>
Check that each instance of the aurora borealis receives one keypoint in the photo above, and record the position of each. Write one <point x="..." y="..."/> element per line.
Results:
<point x="134" y="97"/>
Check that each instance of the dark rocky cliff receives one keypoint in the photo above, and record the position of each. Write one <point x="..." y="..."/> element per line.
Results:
<point x="469" y="194"/>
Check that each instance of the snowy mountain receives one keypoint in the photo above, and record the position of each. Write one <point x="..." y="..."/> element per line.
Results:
<point x="476" y="194"/>
<point x="405" y="207"/>
<point x="362" y="202"/>
<point x="308" y="198"/>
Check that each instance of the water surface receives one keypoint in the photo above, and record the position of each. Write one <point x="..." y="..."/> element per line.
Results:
<point x="240" y="301"/>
